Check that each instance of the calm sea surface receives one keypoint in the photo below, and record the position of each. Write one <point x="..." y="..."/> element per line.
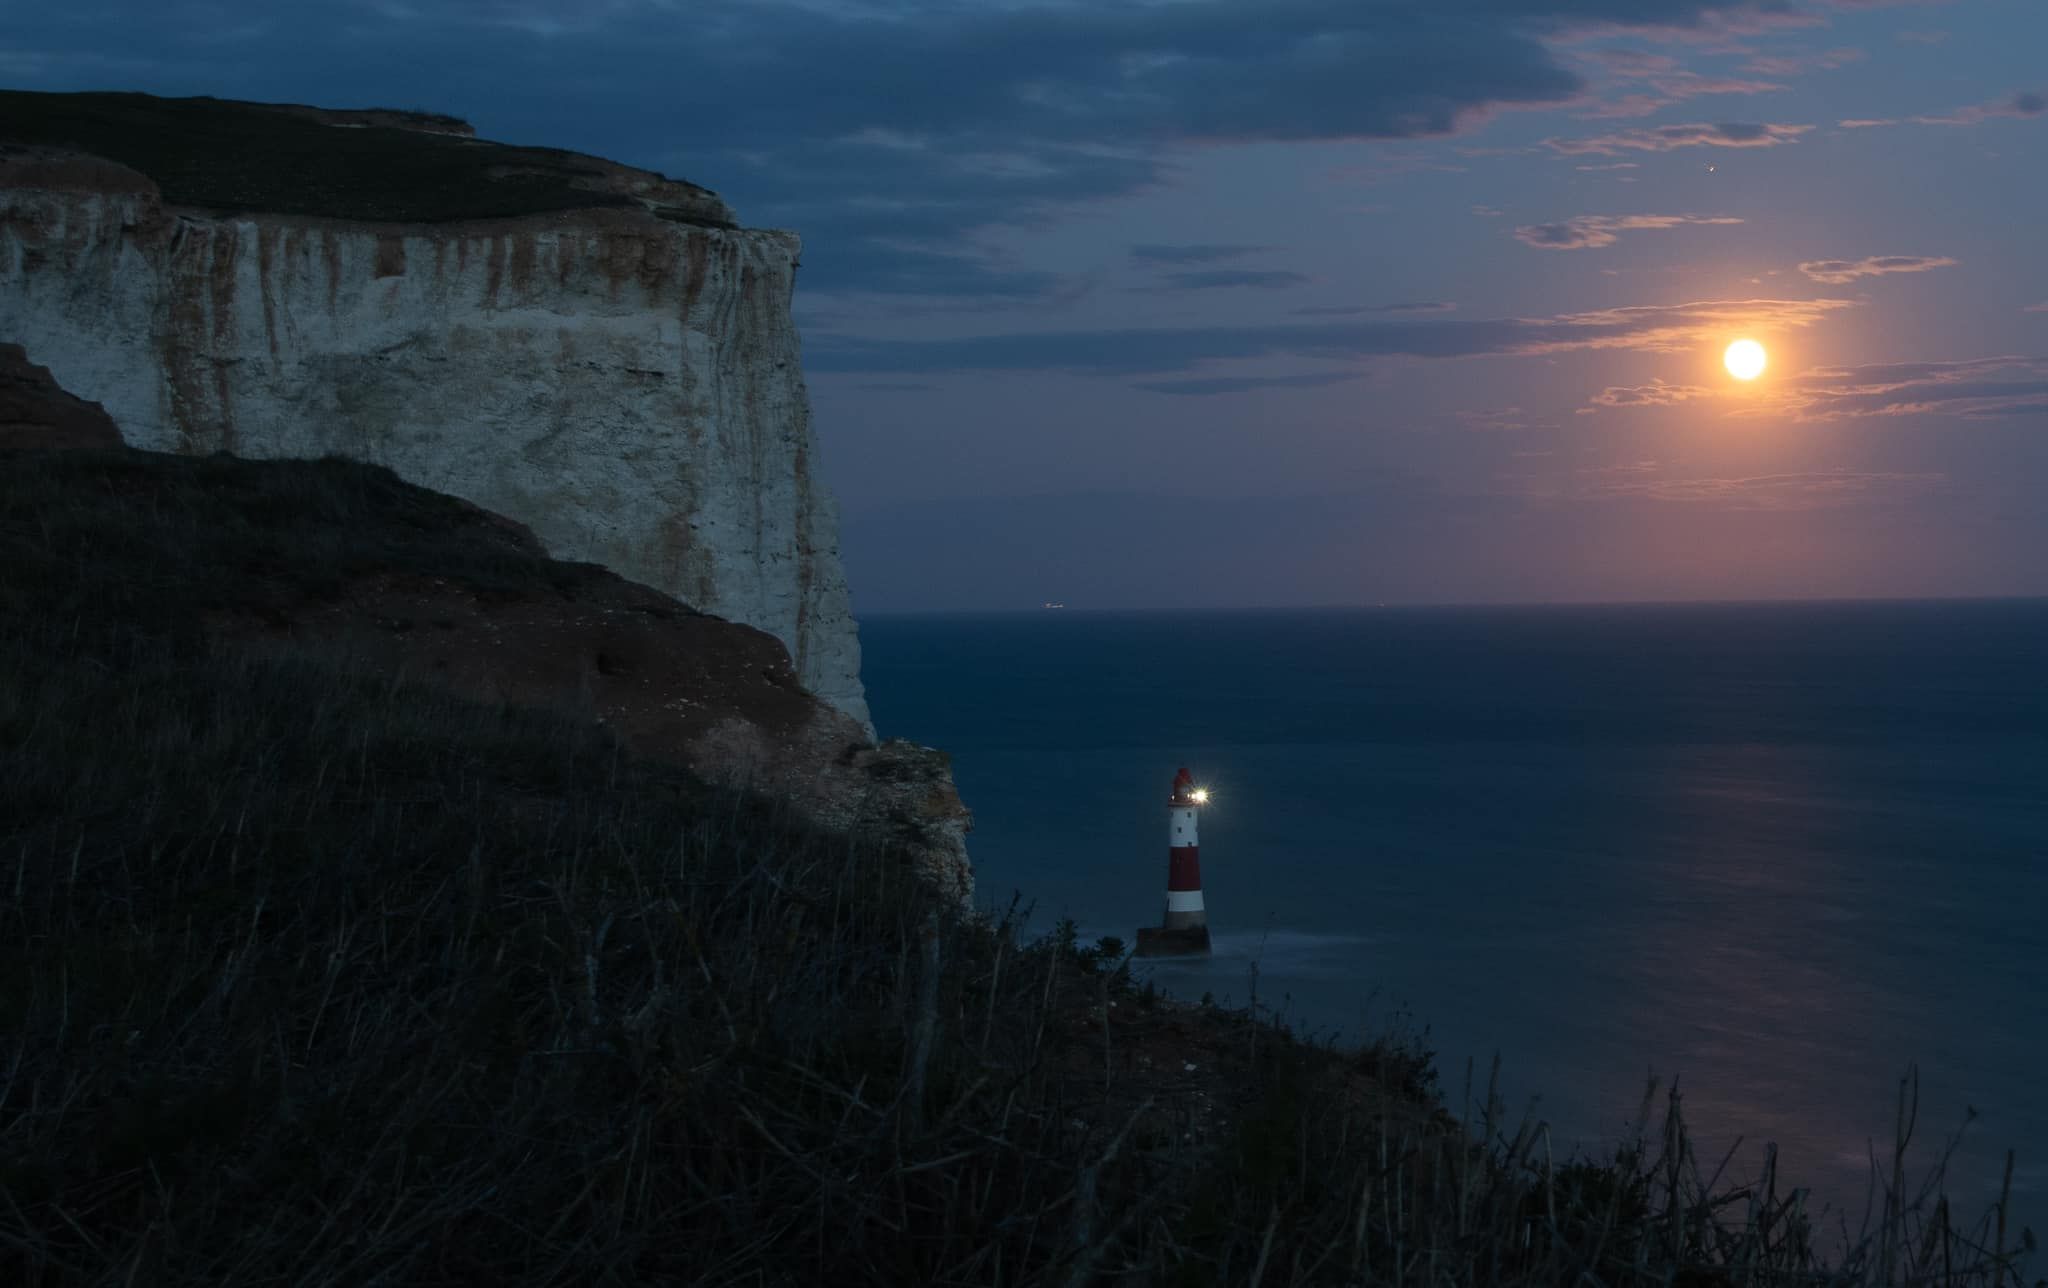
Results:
<point x="1779" y="851"/>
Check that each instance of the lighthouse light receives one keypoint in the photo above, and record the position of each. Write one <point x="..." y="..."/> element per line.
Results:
<point x="1201" y="796"/>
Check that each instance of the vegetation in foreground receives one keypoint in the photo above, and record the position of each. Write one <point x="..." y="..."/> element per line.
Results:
<point x="315" y="978"/>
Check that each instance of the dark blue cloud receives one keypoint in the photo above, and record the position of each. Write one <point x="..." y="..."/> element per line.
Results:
<point x="1201" y="253"/>
<point x="2024" y="104"/>
<point x="1211" y="279"/>
<point x="1972" y="388"/>
<point x="1244" y="384"/>
<point x="1355" y="310"/>
<point x="1140" y="350"/>
<point x="871" y="128"/>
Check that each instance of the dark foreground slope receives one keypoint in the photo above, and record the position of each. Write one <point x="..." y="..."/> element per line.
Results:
<point x="313" y="976"/>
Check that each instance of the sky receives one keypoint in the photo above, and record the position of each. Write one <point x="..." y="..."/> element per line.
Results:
<point x="1214" y="303"/>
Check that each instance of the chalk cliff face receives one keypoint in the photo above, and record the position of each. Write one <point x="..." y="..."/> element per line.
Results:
<point x="612" y="364"/>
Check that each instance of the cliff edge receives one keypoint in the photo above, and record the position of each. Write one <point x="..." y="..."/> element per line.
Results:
<point x="596" y="351"/>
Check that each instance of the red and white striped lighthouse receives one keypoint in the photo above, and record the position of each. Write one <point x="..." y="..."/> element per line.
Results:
<point x="1186" y="930"/>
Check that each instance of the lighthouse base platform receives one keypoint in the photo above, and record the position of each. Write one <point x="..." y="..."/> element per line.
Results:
<point x="1180" y="941"/>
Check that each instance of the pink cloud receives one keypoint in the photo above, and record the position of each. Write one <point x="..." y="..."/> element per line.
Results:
<point x="1793" y="65"/>
<point x="1585" y="232"/>
<point x="1662" y="74"/>
<point x="2027" y="103"/>
<point x="1666" y="138"/>
<point x="1815" y="490"/>
<point x="1975" y="388"/>
<point x="1655" y="394"/>
<point x="1677" y="328"/>
<point x="1837" y="272"/>
<point x="1625" y="106"/>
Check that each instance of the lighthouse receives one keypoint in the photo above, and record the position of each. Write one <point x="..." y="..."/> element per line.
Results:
<point x="1186" y="930"/>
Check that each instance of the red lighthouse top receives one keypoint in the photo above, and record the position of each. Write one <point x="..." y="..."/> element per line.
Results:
<point x="1184" y="788"/>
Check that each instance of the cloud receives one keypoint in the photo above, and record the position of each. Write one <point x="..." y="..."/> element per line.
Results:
<point x="1202" y="253"/>
<point x="1662" y="82"/>
<point x="1498" y="420"/>
<point x="1632" y="62"/>
<point x="1583" y="232"/>
<point x="1837" y="272"/>
<point x="1674" y="87"/>
<point x="1666" y="138"/>
<point x="1973" y="388"/>
<point x="1225" y="278"/>
<point x="1795" y="64"/>
<point x="1865" y="122"/>
<point x="1354" y="310"/>
<point x="892" y="132"/>
<point x="1627" y="105"/>
<point x="1655" y="394"/>
<point x="1650" y="328"/>
<point x="1388" y="166"/>
<point x="1611" y="165"/>
<point x="1816" y="490"/>
<point x="2027" y="103"/>
<point x="1621" y="469"/>
<point x="1243" y="384"/>
<point x="1682" y="85"/>
<point x="2042" y="307"/>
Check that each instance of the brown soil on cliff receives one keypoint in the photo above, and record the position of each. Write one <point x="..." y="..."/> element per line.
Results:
<point x="371" y="165"/>
<point x="343" y="559"/>
<point x="338" y="560"/>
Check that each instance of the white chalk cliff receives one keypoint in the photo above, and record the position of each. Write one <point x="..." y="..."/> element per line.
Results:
<point x="623" y="377"/>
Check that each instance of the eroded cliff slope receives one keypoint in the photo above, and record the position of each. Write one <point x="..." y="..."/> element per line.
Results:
<point x="598" y="352"/>
<point x="346" y="566"/>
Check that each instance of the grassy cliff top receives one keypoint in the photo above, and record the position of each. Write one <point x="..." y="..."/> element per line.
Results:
<point x="374" y="165"/>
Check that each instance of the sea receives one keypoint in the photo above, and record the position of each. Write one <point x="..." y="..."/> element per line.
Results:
<point x="1781" y="854"/>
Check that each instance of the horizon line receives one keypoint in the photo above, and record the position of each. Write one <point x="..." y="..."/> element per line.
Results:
<point x="1041" y="610"/>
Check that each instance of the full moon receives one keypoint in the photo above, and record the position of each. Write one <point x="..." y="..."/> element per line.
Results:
<point x="1745" y="359"/>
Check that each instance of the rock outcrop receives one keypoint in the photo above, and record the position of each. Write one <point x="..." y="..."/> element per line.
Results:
<point x="36" y="412"/>
<point x="596" y="351"/>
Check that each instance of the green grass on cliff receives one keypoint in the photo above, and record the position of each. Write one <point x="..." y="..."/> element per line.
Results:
<point x="312" y="978"/>
<point x="218" y="154"/>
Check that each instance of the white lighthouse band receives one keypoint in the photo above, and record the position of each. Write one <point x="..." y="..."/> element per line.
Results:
<point x="1184" y="908"/>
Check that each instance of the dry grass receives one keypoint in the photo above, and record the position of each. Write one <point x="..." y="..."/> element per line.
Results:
<point x="311" y="978"/>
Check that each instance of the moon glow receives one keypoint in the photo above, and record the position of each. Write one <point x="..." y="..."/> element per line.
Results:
<point x="1745" y="359"/>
